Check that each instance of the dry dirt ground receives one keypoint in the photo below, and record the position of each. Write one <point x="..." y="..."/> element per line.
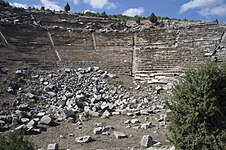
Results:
<point x="65" y="134"/>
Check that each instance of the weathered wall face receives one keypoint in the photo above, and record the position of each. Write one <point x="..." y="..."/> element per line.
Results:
<point x="146" y="54"/>
<point x="112" y="51"/>
<point x="166" y="52"/>
<point x="26" y="43"/>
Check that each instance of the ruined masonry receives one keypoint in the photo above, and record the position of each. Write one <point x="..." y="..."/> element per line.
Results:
<point x="154" y="54"/>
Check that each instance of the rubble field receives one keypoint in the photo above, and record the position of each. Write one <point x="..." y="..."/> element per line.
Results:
<point x="86" y="108"/>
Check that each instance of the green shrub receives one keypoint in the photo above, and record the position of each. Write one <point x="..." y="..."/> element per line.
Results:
<point x="138" y="20"/>
<point x="14" y="141"/>
<point x="198" y="109"/>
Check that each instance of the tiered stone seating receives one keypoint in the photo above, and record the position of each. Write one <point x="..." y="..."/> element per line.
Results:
<point x="148" y="54"/>
<point x="155" y="53"/>
<point x="114" y="41"/>
<point x="156" y="38"/>
<point x="112" y="51"/>
<point x="28" y="44"/>
<point x="169" y="51"/>
<point x="74" y="40"/>
<point x="198" y="43"/>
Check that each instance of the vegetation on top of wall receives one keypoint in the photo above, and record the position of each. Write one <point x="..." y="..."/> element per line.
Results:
<point x="197" y="120"/>
<point x="153" y="18"/>
<point x="3" y="4"/>
<point x="67" y="8"/>
<point x="121" y="17"/>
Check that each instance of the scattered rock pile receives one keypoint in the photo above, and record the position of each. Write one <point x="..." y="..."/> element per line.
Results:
<point x="17" y="16"/>
<point x="75" y="95"/>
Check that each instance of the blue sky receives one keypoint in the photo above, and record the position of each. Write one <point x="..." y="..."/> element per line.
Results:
<point x="190" y="9"/>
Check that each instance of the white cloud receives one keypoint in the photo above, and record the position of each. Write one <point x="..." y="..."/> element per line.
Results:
<point x="199" y="4"/>
<point x="85" y="11"/>
<point x="37" y="6"/>
<point x="51" y="5"/>
<point x="19" y="5"/>
<point x="110" y="5"/>
<point x="76" y="2"/>
<point x="214" y="11"/>
<point x="100" y="4"/>
<point x="133" y="11"/>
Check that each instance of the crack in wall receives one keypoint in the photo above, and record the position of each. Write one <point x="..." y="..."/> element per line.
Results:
<point x="223" y="36"/>
<point x="3" y="38"/>
<point x="134" y="55"/>
<point x="94" y="41"/>
<point x="218" y="48"/>
<point x="175" y="44"/>
<point x="53" y="46"/>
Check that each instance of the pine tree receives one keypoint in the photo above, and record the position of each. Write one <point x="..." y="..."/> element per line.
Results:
<point x="197" y="120"/>
<point x="153" y="18"/>
<point x="67" y="8"/>
<point x="216" y="21"/>
<point x="103" y="14"/>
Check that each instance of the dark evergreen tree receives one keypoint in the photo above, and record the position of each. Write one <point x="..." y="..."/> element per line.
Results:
<point x="153" y="18"/>
<point x="137" y="19"/>
<point x="197" y="120"/>
<point x="103" y="14"/>
<point x="216" y="21"/>
<point x="67" y="8"/>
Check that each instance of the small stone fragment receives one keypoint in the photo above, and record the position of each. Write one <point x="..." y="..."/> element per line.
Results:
<point x="19" y="72"/>
<point x="52" y="146"/>
<point x="65" y="113"/>
<point x="52" y="94"/>
<point x="127" y="122"/>
<point x="98" y="130"/>
<point x="119" y="135"/>
<point x="23" y="107"/>
<point x="94" y="113"/>
<point x="133" y="121"/>
<point x="106" y="114"/>
<point x="136" y="127"/>
<point x="146" y="125"/>
<point x="83" y="139"/>
<point x="31" y="124"/>
<point x="82" y="118"/>
<point x="99" y="124"/>
<point x="40" y="114"/>
<point x="146" y="141"/>
<point x="67" y="70"/>
<point x="47" y="120"/>
<point x="24" y="120"/>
